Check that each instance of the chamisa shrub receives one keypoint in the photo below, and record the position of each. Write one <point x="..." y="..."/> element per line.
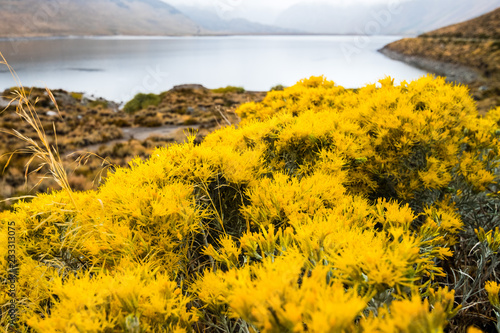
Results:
<point x="326" y="210"/>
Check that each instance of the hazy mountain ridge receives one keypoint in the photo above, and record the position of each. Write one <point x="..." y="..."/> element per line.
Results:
<point x="210" y="20"/>
<point x="32" y="18"/>
<point x="410" y="17"/>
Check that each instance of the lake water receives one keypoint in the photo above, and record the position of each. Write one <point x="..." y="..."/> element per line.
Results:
<point x="117" y="68"/>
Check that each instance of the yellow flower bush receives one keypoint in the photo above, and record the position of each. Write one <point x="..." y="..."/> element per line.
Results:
<point x="134" y="298"/>
<point x="326" y="210"/>
<point x="413" y="315"/>
<point x="491" y="238"/>
<point x="493" y="290"/>
<point x="282" y="298"/>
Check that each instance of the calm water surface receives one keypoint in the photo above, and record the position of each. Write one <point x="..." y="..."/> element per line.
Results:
<point x="117" y="68"/>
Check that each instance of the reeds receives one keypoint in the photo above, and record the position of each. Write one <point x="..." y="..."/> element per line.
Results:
<point x="42" y="150"/>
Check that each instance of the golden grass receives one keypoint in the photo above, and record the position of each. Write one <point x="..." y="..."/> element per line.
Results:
<point x="46" y="153"/>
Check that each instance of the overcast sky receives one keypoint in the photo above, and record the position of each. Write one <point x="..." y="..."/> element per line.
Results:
<point x="263" y="11"/>
<point x="233" y="3"/>
<point x="267" y="11"/>
<point x="279" y="4"/>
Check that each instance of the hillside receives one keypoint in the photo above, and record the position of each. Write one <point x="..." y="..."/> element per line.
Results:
<point x="486" y="26"/>
<point x="468" y="52"/>
<point x="210" y="20"/>
<point x="408" y="18"/>
<point x="32" y="18"/>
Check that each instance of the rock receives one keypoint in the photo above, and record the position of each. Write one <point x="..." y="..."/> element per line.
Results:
<point x="188" y="87"/>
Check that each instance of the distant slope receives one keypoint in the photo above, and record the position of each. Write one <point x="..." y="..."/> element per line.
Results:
<point x="482" y="27"/>
<point x="468" y="52"/>
<point x="410" y="17"/>
<point x="31" y="18"/>
<point x="210" y="21"/>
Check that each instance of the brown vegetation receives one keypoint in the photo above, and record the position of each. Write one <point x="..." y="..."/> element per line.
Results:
<point x="485" y="27"/>
<point x="98" y="126"/>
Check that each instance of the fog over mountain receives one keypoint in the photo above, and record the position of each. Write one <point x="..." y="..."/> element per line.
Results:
<point x="33" y="18"/>
<point x="342" y="16"/>
<point x="408" y="17"/>
<point x="216" y="20"/>
<point x="36" y="18"/>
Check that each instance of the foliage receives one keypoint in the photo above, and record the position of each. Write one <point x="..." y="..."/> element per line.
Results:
<point x="229" y="89"/>
<point x="141" y="101"/>
<point x="326" y="210"/>
<point x="149" y="302"/>
<point x="76" y="95"/>
<point x="470" y="49"/>
<point x="97" y="103"/>
<point x="82" y="125"/>
<point x="40" y="148"/>
<point x="278" y="87"/>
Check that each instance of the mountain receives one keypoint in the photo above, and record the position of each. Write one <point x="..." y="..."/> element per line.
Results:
<point x="486" y="26"/>
<point x="33" y="18"/>
<point x="210" y="20"/>
<point x="409" y="17"/>
<point x="467" y="52"/>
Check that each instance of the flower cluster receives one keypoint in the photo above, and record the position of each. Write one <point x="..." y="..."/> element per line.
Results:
<point x="326" y="210"/>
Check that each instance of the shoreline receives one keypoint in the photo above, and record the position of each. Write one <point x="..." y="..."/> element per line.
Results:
<point x="453" y="72"/>
<point x="152" y="37"/>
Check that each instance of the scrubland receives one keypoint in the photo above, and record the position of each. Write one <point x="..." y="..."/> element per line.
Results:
<point x="324" y="210"/>
<point x="84" y="124"/>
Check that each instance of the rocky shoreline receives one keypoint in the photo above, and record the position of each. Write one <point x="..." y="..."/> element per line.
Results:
<point x="453" y="72"/>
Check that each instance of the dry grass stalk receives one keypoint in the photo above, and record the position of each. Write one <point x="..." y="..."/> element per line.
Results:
<point x="47" y="154"/>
